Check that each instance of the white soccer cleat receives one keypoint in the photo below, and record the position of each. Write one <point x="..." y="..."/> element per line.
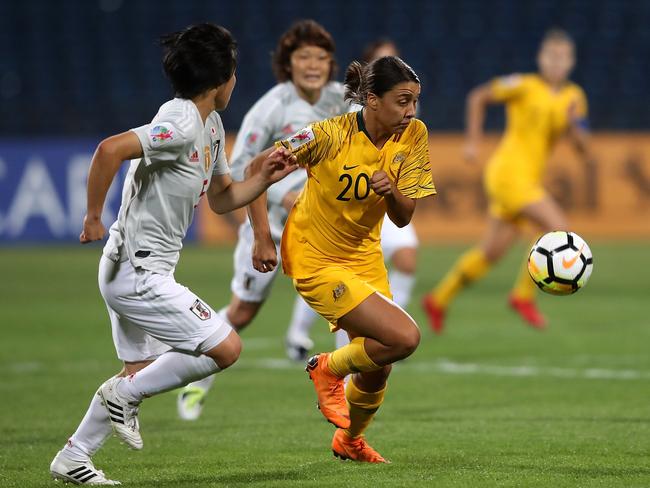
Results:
<point x="78" y="472"/>
<point x="123" y="415"/>
<point x="298" y="348"/>
<point x="190" y="402"/>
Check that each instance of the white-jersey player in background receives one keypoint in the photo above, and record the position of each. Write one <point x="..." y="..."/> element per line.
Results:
<point x="304" y="66"/>
<point x="165" y="335"/>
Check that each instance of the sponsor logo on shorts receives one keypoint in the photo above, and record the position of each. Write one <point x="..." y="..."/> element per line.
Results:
<point x="201" y="310"/>
<point x="161" y="133"/>
<point x="339" y="291"/>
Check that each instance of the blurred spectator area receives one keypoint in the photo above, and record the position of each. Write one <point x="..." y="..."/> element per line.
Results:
<point x="92" y="67"/>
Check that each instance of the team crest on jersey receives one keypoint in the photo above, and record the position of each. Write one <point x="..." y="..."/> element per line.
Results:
<point x="399" y="158"/>
<point x="213" y="131"/>
<point x="201" y="310"/>
<point x="301" y="138"/>
<point x="339" y="291"/>
<point x="251" y="138"/>
<point x="161" y="133"/>
<point x="194" y="155"/>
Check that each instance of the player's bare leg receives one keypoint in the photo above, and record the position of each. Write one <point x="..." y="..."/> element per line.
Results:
<point x="383" y="333"/>
<point x="548" y="216"/>
<point x="469" y="268"/>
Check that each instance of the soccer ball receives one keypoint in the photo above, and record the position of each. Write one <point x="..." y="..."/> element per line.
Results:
<point x="560" y="263"/>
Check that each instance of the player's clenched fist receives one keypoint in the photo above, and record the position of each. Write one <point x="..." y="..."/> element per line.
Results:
<point x="93" y="230"/>
<point x="381" y="184"/>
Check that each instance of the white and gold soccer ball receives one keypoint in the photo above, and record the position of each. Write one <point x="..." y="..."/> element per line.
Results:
<point x="560" y="263"/>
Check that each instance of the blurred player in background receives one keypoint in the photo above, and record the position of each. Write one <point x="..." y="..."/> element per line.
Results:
<point x="165" y="335"/>
<point x="304" y="65"/>
<point x="540" y="108"/>
<point x="361" y="167"/>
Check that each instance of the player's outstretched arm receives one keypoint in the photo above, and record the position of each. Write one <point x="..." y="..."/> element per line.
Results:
<point x="106" y="162"/>
<point x="225" y="195"/>
<point x="265" y="256"/>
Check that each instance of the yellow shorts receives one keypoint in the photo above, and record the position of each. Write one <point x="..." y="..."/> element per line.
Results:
<point x="335" y="290"/>
<point x="507" y="200"/>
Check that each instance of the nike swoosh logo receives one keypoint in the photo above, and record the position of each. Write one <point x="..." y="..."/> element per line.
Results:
<point x="572" y="261"/>
<point x="348" y="168"/>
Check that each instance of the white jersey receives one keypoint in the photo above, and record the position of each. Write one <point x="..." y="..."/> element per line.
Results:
<point x="278" y="114"/>
<point x="163" y="188"/>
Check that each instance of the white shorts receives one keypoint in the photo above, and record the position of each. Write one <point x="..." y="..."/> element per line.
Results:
<point x="150" y="313"/>
<point x="247" y="283"/>
<point x="394" y="238"/>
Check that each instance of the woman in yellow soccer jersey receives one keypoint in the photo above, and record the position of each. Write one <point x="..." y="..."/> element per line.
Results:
<point x="540" y="108"/>
<point x="361" y="166"/>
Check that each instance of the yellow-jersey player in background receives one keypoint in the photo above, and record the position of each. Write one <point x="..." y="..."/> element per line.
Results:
<point x="360" y="166"/>
<point x="540" y="108"/>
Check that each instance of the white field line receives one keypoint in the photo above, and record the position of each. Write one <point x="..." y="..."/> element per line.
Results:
<point x="445" y="366"/>
<point x="441" y="366"/>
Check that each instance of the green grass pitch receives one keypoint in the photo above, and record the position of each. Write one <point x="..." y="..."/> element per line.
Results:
<point x="489" y="403"/>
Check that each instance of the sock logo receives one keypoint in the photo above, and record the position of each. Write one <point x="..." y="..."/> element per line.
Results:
<point x="201" y="310"/>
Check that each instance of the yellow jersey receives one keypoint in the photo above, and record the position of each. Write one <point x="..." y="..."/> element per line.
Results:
<point x="536" y="116"/>
<point x="337" y="218"/>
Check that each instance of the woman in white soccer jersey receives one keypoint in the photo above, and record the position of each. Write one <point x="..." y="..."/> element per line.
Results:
<point x="165" y="335"/>
<point x="304" y="65"/>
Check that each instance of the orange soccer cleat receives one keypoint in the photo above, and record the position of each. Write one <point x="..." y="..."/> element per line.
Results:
<point x="345" y="447"/>
<point x="528" y="311"/>
<point x="435" y="314"/>
<point x="330" y="391"/>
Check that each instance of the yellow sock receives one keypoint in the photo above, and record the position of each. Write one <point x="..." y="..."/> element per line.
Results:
<point x="351" y="358"/>
<point x="363" y="406"/>
<point x="524" y="287"/>
<point x="470" y="267"/>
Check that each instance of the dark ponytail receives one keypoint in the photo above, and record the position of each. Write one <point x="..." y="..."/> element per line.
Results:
<point x="354" y="83"/>
<point x="377" y="77"/>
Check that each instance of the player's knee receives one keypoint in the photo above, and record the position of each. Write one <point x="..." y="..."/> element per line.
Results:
<point x="405" y="260"/>
<point x="407" y="342"/>
<point x="227" y="353"/>
<point x="492" y="254"/>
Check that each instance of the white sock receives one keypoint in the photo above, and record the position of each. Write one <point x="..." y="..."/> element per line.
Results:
<point x="342" y="339"/>
<point x="401" y="284"/>
<point x="302" y="320"/>
<point x="206" y="383"/>
<point x="93" y="430"/>
<point x="171" y="370"/>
